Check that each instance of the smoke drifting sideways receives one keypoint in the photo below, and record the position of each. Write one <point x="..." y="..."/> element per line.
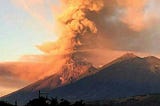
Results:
<point x="89" y="27"/>
<point x="91" y="30"/>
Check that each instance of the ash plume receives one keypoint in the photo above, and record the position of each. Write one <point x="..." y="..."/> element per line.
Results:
<point x="75" y="27"/>
<point x="89" y="30"/>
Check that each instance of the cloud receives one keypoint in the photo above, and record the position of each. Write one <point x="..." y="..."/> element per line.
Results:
<point x="7" y="78"/>
<point x="25" y="71"/>
<point x="123" y="25"/>
<point x="128" y="25"/>
<point x="122" y="21"/>
<point x="102" y="25"/>
<point x="133" y="8"/>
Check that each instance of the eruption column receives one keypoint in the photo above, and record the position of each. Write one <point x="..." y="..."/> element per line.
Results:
<point x="76" y="26"/>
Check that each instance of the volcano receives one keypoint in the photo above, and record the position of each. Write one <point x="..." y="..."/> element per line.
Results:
<point x="69" y="74"/>
<point x="126" y="76"/>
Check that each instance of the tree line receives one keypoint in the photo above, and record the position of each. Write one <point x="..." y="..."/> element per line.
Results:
<point x="42" y="101"/>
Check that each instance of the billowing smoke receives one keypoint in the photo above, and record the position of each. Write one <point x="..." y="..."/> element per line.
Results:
<point x="128" y="23"/>
<point x="133" y="9"/>
<point x="91" y="30"/>
<point x="75" y="26"/>
<point x="91" y="26"/>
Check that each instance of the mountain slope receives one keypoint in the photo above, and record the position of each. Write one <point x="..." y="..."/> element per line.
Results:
<point x="47" y="84"/>
<point x="126" y="76"/>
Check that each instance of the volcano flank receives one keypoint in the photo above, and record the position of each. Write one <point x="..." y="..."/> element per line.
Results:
<point x="126" y="76"/>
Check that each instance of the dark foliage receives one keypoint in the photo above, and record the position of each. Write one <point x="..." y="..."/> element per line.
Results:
<point x="5" y="104"/>
<point x="79" y="103"/>
<point x="142" y="100"/>
<point x="64" y="103"/>
<point x="53" y="102"/>
<point x="38" y="102"/>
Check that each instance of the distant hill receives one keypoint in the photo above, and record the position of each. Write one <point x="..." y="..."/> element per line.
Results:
<point x="126" y="76"/>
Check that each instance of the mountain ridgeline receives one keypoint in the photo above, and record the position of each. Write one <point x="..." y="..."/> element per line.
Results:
<point x="126" y="76"/>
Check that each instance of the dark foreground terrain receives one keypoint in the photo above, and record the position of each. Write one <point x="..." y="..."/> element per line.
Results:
<point x="142" y="100"/>
<point x="41" y="101"/>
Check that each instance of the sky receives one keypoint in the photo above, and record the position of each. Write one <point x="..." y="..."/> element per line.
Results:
<point x="20" y="32"/>
<point x="22" y="28"/>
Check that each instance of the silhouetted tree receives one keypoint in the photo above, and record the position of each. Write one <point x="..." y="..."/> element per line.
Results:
<point x="5" y="104"/>
<point x="64" y="103"/>
<point x="79" y="103"/>
<point x="42" y="101"/>
<point x="54" y="102"/>
<point x="15" y="103"/>
<point x="38" y="102"/>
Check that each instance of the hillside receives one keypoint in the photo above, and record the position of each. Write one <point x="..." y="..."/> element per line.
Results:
<point x="129" y="75"/>
<point x="126" y="76"/>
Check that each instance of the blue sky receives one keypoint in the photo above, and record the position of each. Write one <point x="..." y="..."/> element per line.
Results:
<point x="20" y="32"/>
